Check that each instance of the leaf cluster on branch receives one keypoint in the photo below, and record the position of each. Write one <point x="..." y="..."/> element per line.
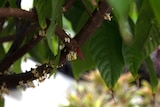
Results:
<point x="20" y="49"/>
<point x="126" y="39"/>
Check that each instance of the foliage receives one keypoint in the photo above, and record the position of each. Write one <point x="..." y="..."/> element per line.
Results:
<point x="126" y="38"/>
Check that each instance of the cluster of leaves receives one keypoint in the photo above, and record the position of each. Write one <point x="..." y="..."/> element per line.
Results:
<point x="125" y="41"/>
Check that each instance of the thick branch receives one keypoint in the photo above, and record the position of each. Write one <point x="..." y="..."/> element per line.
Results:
<point x="93" y="23"/>
<point x="7" y="38"/>
<point x="13" y="80"/>
<point x="67" y="40"/>
<point x="18" y="13"/>
<point x="86" y="32"/>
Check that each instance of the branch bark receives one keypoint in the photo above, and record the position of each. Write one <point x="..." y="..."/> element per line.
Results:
<point x="18" y="13"/>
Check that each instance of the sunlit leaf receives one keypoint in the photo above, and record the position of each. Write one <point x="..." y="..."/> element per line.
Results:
<point x="106" y="47"/>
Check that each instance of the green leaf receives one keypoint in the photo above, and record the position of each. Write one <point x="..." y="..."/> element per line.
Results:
<point x="16" y="67"/>
<point x="80" y="66"/>
<point x="152" y="74"/>
<point x="155" y="5"/>
<point x="153" y="40"/>
<point x="12" y="3"/>
<point x="106" y="47"/>
<point x="80" y="16"/>
<point x="143" y="26"/>
<point x="145" y="30"/>
<point x="121" y="10"/>
<point x="44" y="9"/>
<point x="2" y="102"/>
<point x="41" y="52"/>
<point x="56" y="18"/>
<point x="132" y="58"/>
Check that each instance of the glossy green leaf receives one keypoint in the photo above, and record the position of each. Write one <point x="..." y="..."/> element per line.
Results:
<point x="80" y="66"/>
<point x="106" y="47"/>
<point x="155" y="5"/>
<point x="152" y="74"/>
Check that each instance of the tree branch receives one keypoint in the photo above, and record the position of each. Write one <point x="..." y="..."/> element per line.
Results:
<point x="93" y="23"/>
<point x="19" y="53"/>
<point x="18" y="13"/>
<point x="11" y="81"/>
<point x="67" y="5"/>
<point x="86" y="32"/>
<point x="7" y="38"/>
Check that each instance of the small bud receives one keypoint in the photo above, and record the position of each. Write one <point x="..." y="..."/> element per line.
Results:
<point x="107" y="16"/>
